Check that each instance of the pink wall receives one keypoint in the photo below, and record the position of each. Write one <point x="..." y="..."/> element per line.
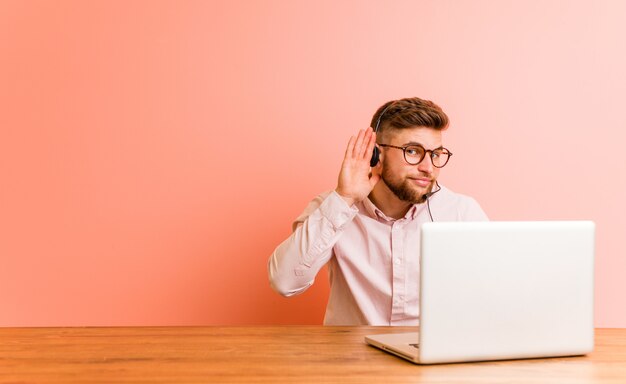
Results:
<point x="153" y="153"/>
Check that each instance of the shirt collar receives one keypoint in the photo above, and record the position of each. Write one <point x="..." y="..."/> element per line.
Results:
<point x="374" y="212"/>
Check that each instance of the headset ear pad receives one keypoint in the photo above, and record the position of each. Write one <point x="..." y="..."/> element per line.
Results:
<point x="375" y="157"/>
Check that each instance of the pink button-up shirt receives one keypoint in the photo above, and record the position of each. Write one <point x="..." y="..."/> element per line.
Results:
<point x="373" y="260"/>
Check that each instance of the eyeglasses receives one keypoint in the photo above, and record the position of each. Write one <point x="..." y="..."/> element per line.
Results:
<point x="415" y="153"/>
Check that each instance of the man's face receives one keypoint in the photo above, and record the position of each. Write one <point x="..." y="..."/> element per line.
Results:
<point x="410" y="182"/>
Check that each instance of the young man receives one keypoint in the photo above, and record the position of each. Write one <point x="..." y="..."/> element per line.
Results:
<point x="367" y="229"/>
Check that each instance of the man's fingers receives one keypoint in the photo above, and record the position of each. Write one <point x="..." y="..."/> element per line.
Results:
<point x="350" y="147"/>
<point x="357" y="145"/>
<point x="367" y="154"/>
<point x="367" y="136"/>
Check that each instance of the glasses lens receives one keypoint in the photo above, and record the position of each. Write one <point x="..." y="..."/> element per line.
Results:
<point x="414" y="154"/>
<point x="440" y="157"/>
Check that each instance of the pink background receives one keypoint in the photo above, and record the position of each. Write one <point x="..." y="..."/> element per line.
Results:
<point x="153" y="153"/>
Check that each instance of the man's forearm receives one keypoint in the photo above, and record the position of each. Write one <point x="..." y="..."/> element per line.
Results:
<point x="297" y="260"/>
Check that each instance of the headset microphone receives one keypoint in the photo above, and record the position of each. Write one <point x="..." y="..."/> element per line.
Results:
<point x="426" y="196"/>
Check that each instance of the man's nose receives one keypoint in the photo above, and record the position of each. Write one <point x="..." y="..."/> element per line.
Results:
<point x="426" y="165"/>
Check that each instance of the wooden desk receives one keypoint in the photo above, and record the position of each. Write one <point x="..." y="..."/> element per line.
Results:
<point x="268" y="355"/>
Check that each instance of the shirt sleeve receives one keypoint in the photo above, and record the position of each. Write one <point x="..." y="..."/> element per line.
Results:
<point x="297" y="260"/>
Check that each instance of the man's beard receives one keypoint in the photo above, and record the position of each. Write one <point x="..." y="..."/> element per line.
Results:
<point x="404" y="190"/>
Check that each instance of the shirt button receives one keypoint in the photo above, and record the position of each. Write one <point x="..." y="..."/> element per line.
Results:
<point x="398" y="261"/>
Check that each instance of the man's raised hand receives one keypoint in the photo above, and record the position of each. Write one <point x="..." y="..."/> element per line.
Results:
<point x="355" y="179"/>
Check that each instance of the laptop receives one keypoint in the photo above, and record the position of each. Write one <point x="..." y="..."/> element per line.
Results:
<point x="501" y="290"/>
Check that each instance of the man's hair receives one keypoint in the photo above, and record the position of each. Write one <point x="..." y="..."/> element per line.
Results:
<point x="410" y="112"/>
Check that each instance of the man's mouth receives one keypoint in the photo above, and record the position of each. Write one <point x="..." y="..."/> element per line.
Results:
<point x="421" y="181"/>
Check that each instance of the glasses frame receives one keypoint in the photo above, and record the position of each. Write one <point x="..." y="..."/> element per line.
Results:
<point x="429" y="151"/>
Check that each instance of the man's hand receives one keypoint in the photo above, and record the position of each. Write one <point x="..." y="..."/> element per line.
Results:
<point x="355" y="180"/>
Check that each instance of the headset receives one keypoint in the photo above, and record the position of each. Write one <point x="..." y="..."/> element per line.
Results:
<point x="376" y="153"/>
<point x="427" y="197"/>
<point x="376" y="158"/>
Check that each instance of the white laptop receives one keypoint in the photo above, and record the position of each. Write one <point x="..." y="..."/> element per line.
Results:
<point x="501" y="290"/>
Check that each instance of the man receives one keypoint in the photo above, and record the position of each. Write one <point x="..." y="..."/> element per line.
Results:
<point x="367" y="229"/>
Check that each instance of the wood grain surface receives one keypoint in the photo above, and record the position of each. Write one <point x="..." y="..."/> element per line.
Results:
<point x="297" y="354"/>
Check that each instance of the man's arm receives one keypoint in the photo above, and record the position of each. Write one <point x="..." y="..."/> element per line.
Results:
<point x="295" y="263"/>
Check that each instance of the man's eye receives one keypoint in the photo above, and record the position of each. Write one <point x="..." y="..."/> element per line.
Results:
<point x="412" y="151"/>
